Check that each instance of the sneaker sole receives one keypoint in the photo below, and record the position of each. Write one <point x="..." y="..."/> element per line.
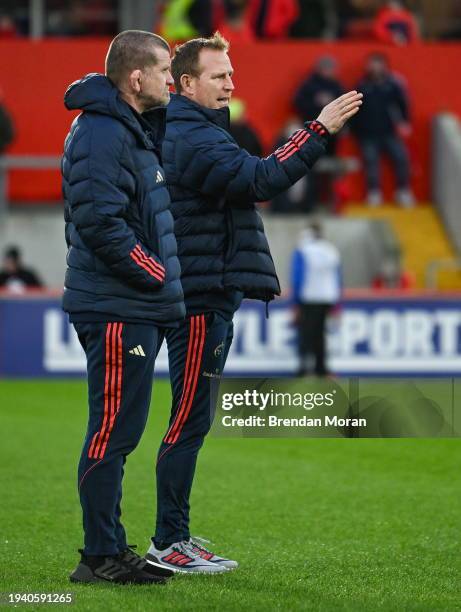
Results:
<point x="154" y="561"/>
<point x="83" y="575"/>
<point x="228" y="567"/>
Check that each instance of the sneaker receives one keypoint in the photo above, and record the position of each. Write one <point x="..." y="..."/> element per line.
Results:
<point x="180" y="557"/>
<point x="405" y="198"/>
<point x="374" y="198"/>
<point x="130" y="557"/>
<point x="110" y="569"/>
<point x="197" y="546"/>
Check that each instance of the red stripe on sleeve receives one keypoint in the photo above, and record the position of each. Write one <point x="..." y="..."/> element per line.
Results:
<point x="146" y="265"/>
<point x="160" y="269"/>
<point x="300" y="141"/>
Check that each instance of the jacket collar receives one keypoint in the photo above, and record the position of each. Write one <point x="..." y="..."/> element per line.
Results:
<point x="96" y="93"/>
<point x="153" y="123"/>
<point x="183" y="108"/>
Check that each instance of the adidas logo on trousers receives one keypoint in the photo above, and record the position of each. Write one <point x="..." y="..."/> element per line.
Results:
<point x="137" y="350"/>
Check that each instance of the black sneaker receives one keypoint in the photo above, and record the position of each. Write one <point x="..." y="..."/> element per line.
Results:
<point x="110" y="569"/>
<point x="131" y="558"/>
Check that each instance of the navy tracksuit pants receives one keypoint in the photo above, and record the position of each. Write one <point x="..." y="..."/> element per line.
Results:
<point x="197" y="352"/>
<point x="120" y="365"/>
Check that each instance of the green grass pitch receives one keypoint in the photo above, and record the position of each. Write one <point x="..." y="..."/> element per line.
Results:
<point x="315" y="524"/>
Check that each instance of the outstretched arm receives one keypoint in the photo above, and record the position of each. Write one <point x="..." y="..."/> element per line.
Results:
<point x="219" y="168"/>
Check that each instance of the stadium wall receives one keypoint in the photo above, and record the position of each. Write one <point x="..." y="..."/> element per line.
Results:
<point x="35" y="74"/>
<point x="40" y="235"/>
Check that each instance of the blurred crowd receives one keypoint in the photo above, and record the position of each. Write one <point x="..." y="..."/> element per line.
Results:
<point x="393" y="21"/>
<point x="381" y="129"/>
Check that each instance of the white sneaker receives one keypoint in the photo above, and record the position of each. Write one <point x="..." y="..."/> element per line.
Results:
<point x="405" y="198"/>
<point x="181" y="558"/>
<point x="197" y="546"/>
<point x="374" y="198"/>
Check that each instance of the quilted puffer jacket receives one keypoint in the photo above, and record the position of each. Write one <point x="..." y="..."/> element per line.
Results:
<point x="122" y="262"/>
<point x="213" y="186"/>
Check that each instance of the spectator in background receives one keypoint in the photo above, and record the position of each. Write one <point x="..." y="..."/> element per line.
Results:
<point x="6" y="126"/>
<point x="318" y="89"/>
<point x="81" y="18"/>
<point x="317" y="283"/>
<point x="14" y="276"/>
<point x="237" y="28"/>
<point x="8" y="27"/>
<point x="206" y="16"/>
<point x="6" y="138"/>
<point x="381" y="128"/>
<point x="272" y="18"/>
<point x="395" y="24"/>
<point x="175" y="24"/>
<point x="315" y="20"/>
<point x="184" y="19"/>
<point x="241" y="131"/>
<point x="354" y="17"/>
<point x="391" y="276"/>
<point x="453" y="18"/>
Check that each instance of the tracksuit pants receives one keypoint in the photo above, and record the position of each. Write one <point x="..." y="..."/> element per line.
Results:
<point x="197" y="352"/>
<point x="120" y="365"/>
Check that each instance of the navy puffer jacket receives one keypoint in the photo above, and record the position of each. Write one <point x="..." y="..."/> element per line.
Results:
<point x="122" y="258"/>
<point x="213" y="186"/>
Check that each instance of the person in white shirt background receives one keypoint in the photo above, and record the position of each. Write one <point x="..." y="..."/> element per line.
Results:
<point x="317" y="287"/>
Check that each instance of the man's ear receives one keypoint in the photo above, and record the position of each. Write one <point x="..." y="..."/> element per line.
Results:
<point x="135" y="80"/>
<point x="186" y="84"/>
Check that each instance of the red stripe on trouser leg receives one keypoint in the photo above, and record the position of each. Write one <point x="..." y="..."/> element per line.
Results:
<point x="190" y="361"/>
<point x="186" y="374"/>
<point x="91" y="453"/>
<point x="183" y="417"/>
<point x="190" y="381"/>
<point x="118" y="387"/>
<point x="109" y="391"/>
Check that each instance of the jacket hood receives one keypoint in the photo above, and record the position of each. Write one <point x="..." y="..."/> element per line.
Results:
<point x="181" y="108"/>
<point x="95" y="93"/>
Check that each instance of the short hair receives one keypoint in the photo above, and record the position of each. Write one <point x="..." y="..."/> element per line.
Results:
<point x="187" y="56"/>
<point x="132" y="50"/>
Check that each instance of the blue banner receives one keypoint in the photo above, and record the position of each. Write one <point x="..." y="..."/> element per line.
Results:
<point x="393" y="336"/>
